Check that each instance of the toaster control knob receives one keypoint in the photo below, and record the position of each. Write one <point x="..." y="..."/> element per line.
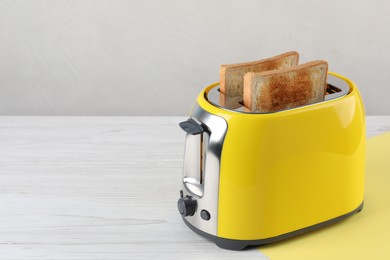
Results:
<point x="186" y="206"/>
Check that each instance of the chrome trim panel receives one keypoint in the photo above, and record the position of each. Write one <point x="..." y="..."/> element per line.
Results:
<point x="201" y="175"/>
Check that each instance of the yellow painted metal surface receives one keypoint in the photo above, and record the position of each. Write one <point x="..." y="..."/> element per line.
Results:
<point x="284" y="171"/>
<point x="363" y="236"/>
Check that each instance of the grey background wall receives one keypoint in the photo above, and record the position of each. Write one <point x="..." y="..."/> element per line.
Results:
<point x="95" y="57"/>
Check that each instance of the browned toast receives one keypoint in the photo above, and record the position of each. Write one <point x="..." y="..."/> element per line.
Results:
<point x="232" y="76"/>
<point x="229" y="102"/>
<point x="286" y="88"/>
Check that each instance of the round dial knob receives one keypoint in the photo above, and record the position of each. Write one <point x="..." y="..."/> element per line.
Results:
<point x="186" y="206"/>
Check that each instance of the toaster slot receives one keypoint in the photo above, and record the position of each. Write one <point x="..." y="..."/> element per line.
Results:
<point x="336" y="88"/>
<point x="195" y="160"/>
<point x="332" y="89"/>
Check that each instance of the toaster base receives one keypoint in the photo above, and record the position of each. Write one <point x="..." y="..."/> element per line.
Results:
<point x="233" y="244"/>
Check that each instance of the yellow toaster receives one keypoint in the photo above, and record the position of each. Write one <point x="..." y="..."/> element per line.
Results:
<point x="257" y="178"/>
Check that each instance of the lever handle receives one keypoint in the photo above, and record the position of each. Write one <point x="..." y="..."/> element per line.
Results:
<point x="191" y="127"/>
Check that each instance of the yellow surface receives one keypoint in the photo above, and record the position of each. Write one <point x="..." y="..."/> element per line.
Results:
<point x="284" y="171"/>
<point x="365" y="235"/>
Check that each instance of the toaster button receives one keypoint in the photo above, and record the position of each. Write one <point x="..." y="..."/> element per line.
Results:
<point x="204" y="214"/>
<point x="186" y="206"/>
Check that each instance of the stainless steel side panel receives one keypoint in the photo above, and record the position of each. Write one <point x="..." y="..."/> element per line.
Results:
<point x="203" y="184"/>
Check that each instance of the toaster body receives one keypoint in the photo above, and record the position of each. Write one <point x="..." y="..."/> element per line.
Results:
<point x="252" y="179"/>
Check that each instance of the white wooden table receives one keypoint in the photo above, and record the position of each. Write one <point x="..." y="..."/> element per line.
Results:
<point x="100" y="188"/>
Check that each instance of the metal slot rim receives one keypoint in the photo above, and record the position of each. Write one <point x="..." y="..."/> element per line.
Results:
<point x="213" y="96"/>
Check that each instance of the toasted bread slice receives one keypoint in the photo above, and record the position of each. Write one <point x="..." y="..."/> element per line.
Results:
<point x="232" y="76"/>
<point x="276" y="90"/>
<point x="229" y="102"/>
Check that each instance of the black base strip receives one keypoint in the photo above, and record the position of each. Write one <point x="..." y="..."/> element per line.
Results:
<point x="233" y="244"/>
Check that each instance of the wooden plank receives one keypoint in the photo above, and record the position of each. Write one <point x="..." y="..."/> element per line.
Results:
<point x="95" y="188"/>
